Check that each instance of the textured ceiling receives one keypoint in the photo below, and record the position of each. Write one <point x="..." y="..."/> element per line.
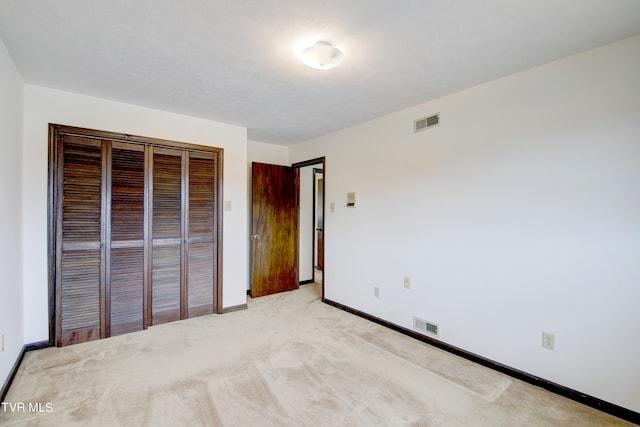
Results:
<point x="233" y="61"/>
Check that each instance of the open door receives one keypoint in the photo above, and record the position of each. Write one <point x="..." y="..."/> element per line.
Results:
<point x="274" y="236"/>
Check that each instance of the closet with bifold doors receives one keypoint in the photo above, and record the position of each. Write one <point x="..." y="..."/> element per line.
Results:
<point x="134" y="233"/>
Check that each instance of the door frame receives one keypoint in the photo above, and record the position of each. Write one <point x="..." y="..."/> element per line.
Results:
<point x="314" y="251"/>
<point x="314" y="162"/>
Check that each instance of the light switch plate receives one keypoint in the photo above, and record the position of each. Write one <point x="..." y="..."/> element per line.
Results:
<point x="227" y="205"/>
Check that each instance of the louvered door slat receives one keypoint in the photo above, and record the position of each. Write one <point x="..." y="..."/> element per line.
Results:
<point x="201" y="277"/>
<point x="81" y="291"/>
<point x="127" y="278"/>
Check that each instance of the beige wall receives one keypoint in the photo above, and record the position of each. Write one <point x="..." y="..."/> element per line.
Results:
<point x="518" y="214"/>
<point x="11" y="307"/>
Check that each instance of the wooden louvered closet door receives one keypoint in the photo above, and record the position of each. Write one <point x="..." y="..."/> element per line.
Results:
<point x="167" y="233"/>
<point x="201" y="248"/>
<point x="125" y="245"/>
<point x="135" y="233"/>
<point x="80" y="277"/>
<point x="101" y="270"/>
<point x="184" y="249"/>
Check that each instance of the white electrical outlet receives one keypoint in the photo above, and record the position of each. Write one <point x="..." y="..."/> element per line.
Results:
<point x="548" y="340"/>
<point x="407" y="282"/>
<point x="376" y="291"/>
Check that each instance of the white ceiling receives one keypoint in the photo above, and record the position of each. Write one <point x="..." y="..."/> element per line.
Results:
<point x="233" y="60"/>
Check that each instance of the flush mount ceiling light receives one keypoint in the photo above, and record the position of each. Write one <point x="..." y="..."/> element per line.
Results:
<point x="321" y="56"/>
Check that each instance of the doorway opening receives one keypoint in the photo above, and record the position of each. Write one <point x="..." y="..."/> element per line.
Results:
<point x="311" y="175"/>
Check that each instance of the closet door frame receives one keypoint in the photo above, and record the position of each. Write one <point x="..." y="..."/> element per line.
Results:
<point x="54" y="189"/>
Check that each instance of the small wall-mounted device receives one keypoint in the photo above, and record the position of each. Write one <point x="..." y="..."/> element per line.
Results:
<point x="426" y="122"/>
<point x="351" y="200"/>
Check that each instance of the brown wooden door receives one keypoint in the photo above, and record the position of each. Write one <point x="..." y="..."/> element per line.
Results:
<point x="201" y="250"/>
<point x="125" y="249"/>
<point x="167" y="236"/>
<point x="80" y="264"/>
<point x="101" y="259"/>
<point x="274" y="236"/>
<point x="184" y="234"/>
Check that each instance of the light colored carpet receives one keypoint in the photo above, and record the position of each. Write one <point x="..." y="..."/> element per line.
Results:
<point x="289" y="360"/>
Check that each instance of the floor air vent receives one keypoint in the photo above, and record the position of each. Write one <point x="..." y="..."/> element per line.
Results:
<point x="424" y="326"/>
<point x="426" y="122"/>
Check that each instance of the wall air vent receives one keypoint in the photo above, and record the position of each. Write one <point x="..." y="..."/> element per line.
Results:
<point x="426" y="122"/>
<point x="425" y="326"/>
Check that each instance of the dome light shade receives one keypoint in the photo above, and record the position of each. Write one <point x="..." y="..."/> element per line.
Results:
<point x="321" y="56"/>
